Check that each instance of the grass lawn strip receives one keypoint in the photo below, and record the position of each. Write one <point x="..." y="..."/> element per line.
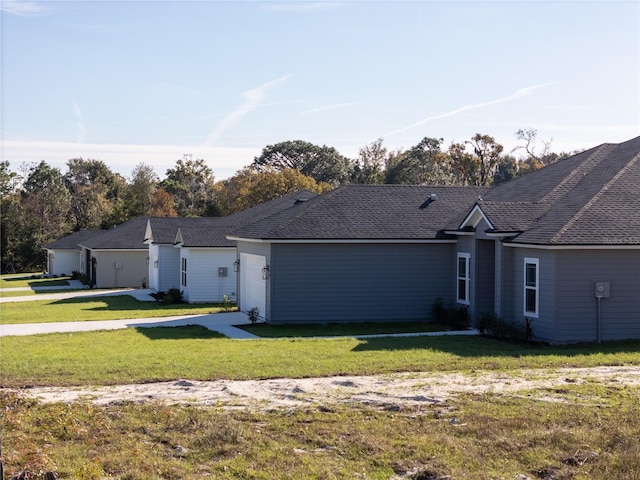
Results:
<point x="108" y="307"/>
<point x="32" y="281"/>
<point x="195" y="353"/>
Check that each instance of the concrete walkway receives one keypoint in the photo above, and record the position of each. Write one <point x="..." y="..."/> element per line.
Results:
<point x="218" y="322"/>
<point x="222" y="323"/>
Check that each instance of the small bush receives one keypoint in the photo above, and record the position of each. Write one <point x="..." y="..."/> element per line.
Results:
<point x="493" y="326"/>
<point x="76" y="275"/>
<point x="254" y="314"/>
<point x="227" y="304"/>
<point x="174" y="295"/>
<point x="456" y="316"/>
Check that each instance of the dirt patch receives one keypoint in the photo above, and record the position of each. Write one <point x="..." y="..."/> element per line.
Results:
<point x="379" y="390"/>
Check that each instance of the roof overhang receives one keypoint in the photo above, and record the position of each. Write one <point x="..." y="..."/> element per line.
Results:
<point x="534" y="246"/>
<point x="358" y="241"/>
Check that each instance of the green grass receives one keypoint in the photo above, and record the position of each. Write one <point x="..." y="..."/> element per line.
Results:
<point x="25" y="293"/>
<point x="157" y="354"/>
<point x="28" y="281"/>
<point x="115" y="307"/>
<point x="474" y="437"/>
<point x="341" y="329"/>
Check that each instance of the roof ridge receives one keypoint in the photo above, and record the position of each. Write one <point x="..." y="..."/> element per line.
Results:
<point x="585" y="167"/>
<point x="595" y="198"/>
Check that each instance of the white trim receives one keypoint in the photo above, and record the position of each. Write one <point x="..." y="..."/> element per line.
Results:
<point x="536" y="288"/>
<point x="322" y="241"/>
<point x="460" y="233"/>
<point x="475" y="216"/>
<point x="571" y="247"/>
<point x="466" y="278"/>
<point x="502" y="234"/>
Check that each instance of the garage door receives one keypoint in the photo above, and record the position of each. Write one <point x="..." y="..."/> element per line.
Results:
<point x="253" y="289"/>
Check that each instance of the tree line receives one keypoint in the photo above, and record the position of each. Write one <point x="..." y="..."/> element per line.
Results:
<point x="40" y="204"/>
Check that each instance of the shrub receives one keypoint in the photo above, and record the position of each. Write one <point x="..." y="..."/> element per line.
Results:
<point x="254" y="314"/>
<point x="227" y="305"/>
<point x="76" y="275"/>
<point x="493" y="326"/>
<point x="174" y="295"/>
<point x="455" y="317"/>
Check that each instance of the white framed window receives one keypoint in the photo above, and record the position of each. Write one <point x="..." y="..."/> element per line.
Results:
<point x="463" y="277"/>
<point x="183" y="272"/>
<point x="531" y="286"/>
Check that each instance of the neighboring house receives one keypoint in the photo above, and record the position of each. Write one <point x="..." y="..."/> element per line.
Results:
<point x="164" y="258"/>
<point x="560" y="247"/>
<point x="64" y="256"/>
<point x="117" y="257"/>
<point x="194" y="254"/>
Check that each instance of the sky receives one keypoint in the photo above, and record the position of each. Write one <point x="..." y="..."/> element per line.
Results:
<point x="130" y="82"/>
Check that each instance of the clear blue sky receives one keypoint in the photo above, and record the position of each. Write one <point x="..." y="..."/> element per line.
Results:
<point x="148" y="81"/>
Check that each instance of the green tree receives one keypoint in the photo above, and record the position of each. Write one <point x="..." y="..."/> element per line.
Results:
<point x="248" y="187"/>
<point x="191" y="183"/>
<point x="422" y="164"/>
<point x="369" y="166"/>
<point x="139" y="196"/>
<point x="97" y="194"/>
<point x="322" y="163"/>
<point x="10" y="218"/>
<point x="506" y="170"/>
<point x="44" y="213"/>
<point x="488" y="152"/>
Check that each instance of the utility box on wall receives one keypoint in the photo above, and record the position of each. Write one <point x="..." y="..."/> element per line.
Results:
<point x="603" y="289"/>
<point x="222" y="271"/>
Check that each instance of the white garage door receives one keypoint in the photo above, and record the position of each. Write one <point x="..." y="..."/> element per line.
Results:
<point x="253" y="289"/>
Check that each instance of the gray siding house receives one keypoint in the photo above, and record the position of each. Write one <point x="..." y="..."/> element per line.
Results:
<point x="559" y="247"/>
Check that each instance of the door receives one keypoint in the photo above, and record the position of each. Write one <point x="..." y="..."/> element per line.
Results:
<point x="253" y="288"/>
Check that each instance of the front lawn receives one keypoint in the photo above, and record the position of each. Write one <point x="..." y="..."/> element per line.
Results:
<point x="342" y="329"/>
<point x="158" y="354"/>
<point x="108" y="307"/>
<point x="32" y="281"/>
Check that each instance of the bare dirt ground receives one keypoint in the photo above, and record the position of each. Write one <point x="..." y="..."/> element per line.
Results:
<point x="393" y="390"/>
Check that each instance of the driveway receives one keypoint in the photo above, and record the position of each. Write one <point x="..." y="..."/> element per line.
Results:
<point x="219" y="322"/>
<point x="222" y="323"/>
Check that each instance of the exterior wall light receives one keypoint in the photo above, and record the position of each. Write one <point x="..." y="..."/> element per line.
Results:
<point x="155" y="263"/>
<point x="265" y="272"/>
<point x="147" y="260"/>
<point x="236" y="266"/>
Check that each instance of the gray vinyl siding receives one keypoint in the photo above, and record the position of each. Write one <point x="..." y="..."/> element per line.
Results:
<point x="577" y="307"/>
<point x="322" y="283"/>
<point x="544" y="326"/>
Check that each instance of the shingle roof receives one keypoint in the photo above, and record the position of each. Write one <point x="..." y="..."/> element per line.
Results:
<point x="70" y="242"/>
<point x="357" y="212"/>
<point x="126" y="236"/>
<point x="592" y="198"/>
<point x="213" y="231"/>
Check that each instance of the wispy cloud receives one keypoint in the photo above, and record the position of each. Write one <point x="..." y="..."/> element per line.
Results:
<point x="252" y="99"/>
<point x="22" y="8"/>
<point x="79" y="121"/>
<point x="334" y="106"/>
<point x="523" y="92"/>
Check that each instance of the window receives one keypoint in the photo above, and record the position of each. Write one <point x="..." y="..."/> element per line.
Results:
<point x="184" y="272"/>
<point x="531" y="285"/>
<point x="463" y="278"/>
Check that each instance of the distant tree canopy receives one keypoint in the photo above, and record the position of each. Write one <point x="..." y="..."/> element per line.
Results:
<point x="41" y="204"/>
<point x="323" y="164"/>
